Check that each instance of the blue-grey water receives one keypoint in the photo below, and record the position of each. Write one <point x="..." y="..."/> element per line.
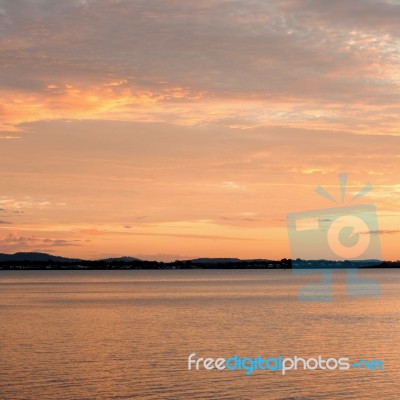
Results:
<point x="128" y="334"/>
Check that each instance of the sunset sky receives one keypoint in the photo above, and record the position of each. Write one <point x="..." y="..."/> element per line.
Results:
<point x="167" y="129"/>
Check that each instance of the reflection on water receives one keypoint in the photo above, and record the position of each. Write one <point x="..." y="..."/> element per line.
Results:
<point x="127" y="334"/>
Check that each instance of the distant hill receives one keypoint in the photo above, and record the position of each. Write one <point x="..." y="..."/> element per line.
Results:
<point x="119" y="259"/>
<point x="215" y="260"/>
<point x="44" y="257"/>
<point x="34" y="256"/>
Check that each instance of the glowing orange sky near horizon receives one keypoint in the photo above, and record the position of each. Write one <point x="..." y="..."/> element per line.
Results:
<point x="168" y="130"/>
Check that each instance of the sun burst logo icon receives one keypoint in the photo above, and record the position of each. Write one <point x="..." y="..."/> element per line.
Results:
<point x="342" y="237"/>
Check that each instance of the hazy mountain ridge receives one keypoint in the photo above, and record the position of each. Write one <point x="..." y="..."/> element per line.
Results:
<point x="34" y="256"/>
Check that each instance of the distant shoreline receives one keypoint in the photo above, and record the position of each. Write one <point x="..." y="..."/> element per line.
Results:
<point x="204" y="264"/>
<point x="44" y="261"/>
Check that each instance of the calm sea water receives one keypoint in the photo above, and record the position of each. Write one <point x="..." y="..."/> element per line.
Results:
<point x="127" y="335"/>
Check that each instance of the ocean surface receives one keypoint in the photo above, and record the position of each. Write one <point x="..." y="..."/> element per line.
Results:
<point x="128" y="335"/>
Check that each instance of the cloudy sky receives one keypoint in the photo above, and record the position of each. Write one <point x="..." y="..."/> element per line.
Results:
<point x="174" y="129"/>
